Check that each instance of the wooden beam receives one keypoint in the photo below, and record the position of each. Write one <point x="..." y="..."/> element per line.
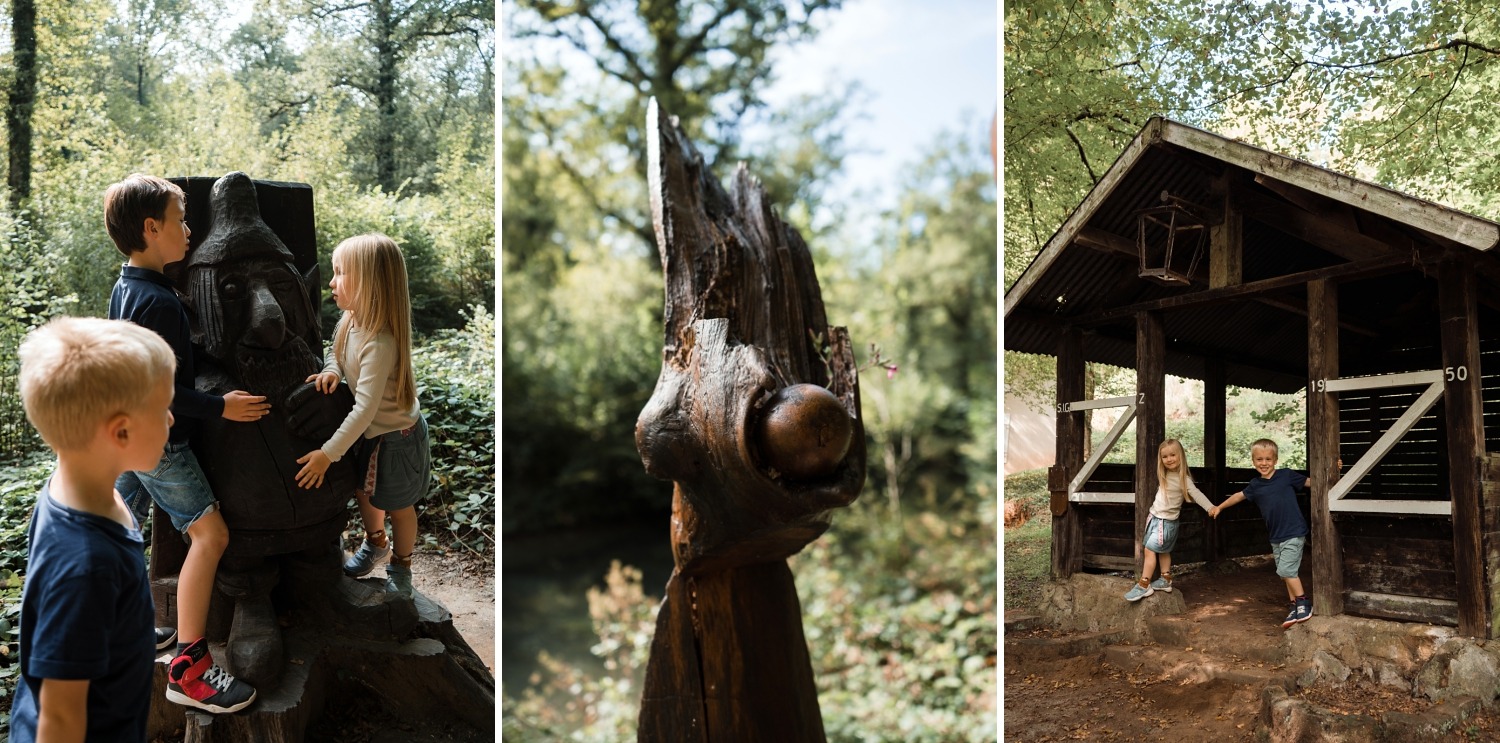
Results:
<point x="1459" y="316"/>
<point x="1467" y="229"/>
<point x="1226" y="240"/>
<point x="1067" y="534"/>
<point x="1302" y="312"/>
<point x="1215" y="430"/>
<point x="1341" y="272"/>
<point x="1323" y="445"/>
<point x="1319" y="231"/>
<point x="1403" y="608"/>
<point x="1151" y="414"/>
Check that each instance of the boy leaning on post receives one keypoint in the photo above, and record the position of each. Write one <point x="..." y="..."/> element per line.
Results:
<point x="99" y="392"/>
<point x="1273" y="491"/>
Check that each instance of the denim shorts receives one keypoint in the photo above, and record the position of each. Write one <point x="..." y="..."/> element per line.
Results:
<point x="1288" y="556"/>
<point x="177" y="485"/>
<point x="403" y="466"/>
<point x="1161" y="535"/>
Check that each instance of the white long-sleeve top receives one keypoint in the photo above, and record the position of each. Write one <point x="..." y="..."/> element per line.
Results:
<point x="368" y="364"/>
<point x="1169" y="497"/>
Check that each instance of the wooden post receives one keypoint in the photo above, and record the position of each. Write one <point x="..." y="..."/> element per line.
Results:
<point x="1226" y="239"/>
<point x="756" y="420"/>
<point x="1067" y="535"/>
<point x="1323" y="445"/>
<point x="1150" y="414"/>
<point x="1215" y="434"/>
<point x="1458" y="306"/>
<point x="1490" y="492"/>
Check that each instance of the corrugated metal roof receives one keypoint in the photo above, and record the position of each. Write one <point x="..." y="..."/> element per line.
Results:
<point x="1262" y="340"/>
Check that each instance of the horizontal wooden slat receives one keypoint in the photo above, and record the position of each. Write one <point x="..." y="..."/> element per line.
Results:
<point x="1396" y="579"/>
<point x="1401" y="608"/>
<point x="1108" y="562"/>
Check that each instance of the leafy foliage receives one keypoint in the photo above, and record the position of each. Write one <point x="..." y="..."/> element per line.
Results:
<point x="456" y="377"/>
<point x="900" y="619"/>
<point x="19" y="485"/>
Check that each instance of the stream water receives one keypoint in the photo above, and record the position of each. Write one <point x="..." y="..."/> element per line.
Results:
<point x="544" y="582"/>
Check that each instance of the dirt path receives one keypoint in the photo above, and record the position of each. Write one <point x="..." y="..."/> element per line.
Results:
<point x="1084" y="699"/>
<point x="1236" y="610"/>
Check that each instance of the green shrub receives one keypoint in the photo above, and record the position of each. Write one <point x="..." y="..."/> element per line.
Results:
<point x="900" y="617"/>
<point x="19" y="485"/>
<point x="455" y="373"/>
<point x="1029" y="486"/>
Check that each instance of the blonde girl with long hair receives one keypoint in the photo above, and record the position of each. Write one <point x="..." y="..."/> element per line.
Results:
<point x="385" y="431"/>
<point x="1175" y="486"/>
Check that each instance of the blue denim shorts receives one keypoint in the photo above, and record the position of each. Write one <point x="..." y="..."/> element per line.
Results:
<point x="1161" y="535"/>
<point x="177" y="485"/>
<point x="403" y="466"/>
<point x="1288" y="556"/>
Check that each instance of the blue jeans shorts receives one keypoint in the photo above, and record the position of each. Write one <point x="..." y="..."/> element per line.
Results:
<point x="177" y="485"/>
<point x="1288" y="556"/>
<point x="1161" y="535"/>
<point x="402" y="462"/>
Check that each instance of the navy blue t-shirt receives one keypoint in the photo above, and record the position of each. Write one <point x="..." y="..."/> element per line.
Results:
<point x="86" y="613"/>
<point x="146" y="298"/>
<point x="1276" y="497"/>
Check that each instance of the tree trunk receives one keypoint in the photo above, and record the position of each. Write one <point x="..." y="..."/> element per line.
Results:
<point x="745" y="333"/>
<point x="387" y="57"/>
<point x="22" y="100"/>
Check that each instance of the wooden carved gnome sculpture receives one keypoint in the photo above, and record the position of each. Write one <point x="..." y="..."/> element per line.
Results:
<point x="756" y="419"/>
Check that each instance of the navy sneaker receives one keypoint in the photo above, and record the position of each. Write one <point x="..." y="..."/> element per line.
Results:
<point x="165" y="637"/>
<point x="1301" y="612"/>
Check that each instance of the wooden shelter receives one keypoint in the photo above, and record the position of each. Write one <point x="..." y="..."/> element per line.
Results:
<point x="1283" y="275"/>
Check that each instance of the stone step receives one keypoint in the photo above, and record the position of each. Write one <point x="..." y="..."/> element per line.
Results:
<point x="1060" y="645"/>
<point x="1199" y="666"/>
<point x="1018" y="620"/>
<point x="1256" y="641"/>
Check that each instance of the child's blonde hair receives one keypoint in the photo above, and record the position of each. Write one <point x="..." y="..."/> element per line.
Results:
<point x="77" y="372"/>
<point x="1266" y="444"/>
<point x="1184" y="476"/>
<point x="381" y="302"/>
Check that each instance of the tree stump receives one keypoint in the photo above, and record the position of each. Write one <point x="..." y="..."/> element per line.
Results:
<point x="756" y="419"/>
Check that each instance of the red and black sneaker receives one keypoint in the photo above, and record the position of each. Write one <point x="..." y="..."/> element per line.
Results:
<point x="194" y="680"/>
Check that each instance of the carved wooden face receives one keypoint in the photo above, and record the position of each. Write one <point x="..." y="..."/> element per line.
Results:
<point x="254" y="316"/>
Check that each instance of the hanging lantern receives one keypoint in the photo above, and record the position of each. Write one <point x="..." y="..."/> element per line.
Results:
<point x="1170" y="240"/>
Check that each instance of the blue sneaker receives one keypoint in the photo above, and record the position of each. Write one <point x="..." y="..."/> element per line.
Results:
<point x="1138" y="592"/>
<point x="365" y="559"/>
<point x="1301" y="612"/>
<point x="1162" y="584"/>
<point x="398" y="579"/>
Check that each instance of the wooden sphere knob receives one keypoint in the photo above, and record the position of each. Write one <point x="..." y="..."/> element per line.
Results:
<point x="804" y="432"/>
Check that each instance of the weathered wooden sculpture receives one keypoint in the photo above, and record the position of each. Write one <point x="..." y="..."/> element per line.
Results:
<point x="756" y="419"/>
<point x="295" y="626"/>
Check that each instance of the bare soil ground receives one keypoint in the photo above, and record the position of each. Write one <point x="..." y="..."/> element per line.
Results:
<point x="1057" y="698"/>
<point x="464" y="582"/>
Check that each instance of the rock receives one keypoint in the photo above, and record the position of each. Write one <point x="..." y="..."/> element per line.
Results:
<point x="1325" y="668"/>
<point x="1095" y="603"/>
<point x="1459" y="670"/>
<point x="1285" y="719"/>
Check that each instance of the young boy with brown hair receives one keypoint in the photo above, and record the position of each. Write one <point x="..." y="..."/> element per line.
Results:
<point x="99" y="392"/>
<point x="145" y="218"/>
